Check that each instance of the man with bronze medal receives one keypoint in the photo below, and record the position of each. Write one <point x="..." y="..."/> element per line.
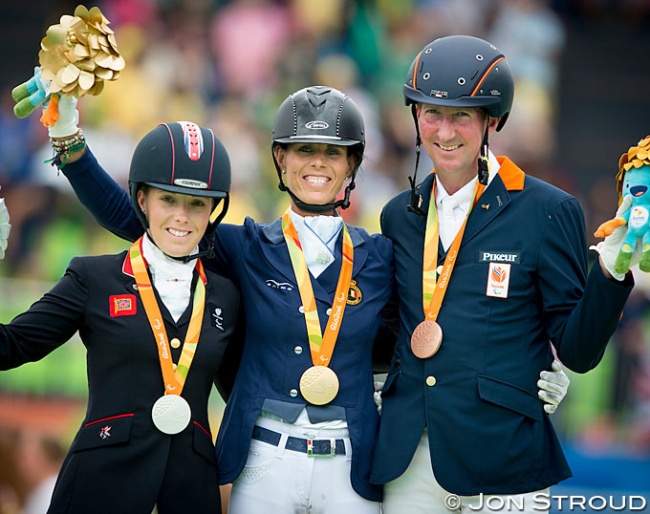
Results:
<point x="501" y="270"/>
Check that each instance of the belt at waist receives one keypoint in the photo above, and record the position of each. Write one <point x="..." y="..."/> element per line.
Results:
<point x="329" y="447"/>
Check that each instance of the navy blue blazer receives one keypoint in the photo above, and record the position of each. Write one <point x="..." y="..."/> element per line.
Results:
<point x="276" y="350"/>
<point x="119" y="461"/>
<point x="487" y="430"/>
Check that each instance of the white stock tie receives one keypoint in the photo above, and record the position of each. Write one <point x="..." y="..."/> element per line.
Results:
<point x="447" y="220"/>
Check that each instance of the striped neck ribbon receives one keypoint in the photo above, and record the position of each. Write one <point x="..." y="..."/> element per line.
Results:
<point x="434" y="289"/>
<point x="174" y="376"/>
<point x="321" y="345"/>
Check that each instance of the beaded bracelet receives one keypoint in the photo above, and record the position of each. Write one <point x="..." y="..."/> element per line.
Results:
<point x="64" y="147"/>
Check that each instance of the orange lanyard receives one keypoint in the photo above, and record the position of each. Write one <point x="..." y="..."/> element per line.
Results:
<point x="174" y="378"/>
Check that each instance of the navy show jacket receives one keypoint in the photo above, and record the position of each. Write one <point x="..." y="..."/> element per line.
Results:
<point x="477" y="397"/>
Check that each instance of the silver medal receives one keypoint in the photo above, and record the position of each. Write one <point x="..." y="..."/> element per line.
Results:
<point x="171" y="414"/>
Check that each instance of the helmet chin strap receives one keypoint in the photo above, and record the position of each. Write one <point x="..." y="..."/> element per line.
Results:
<point x="312" y="207"/>
<point x="483" y="167"/>
<point x="322" y="208"/>
<point x="210" y="235"/>
<point x="209" y="253"/>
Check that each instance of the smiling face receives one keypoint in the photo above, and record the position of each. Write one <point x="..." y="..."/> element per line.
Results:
<point x="177" y="222"/>
<point x="315" y="172"/>
<point x="452" y="138"/>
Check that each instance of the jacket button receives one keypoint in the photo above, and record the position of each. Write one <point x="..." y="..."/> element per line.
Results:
<point x="431" y="380"/>
<point x="297" y="350"/>
<point x="293" y="393"/>
<point x="301" y="309"/>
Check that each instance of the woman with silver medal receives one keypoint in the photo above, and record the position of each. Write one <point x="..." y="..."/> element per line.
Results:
<point x="144" y="317"/>
<point x="313" y="291"/>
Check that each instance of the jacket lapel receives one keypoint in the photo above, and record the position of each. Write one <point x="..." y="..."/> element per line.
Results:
<point x="276" y="252"/>
<point x="274" y="248"/>
<point x="495" y="199"/>
<point x="131" y="286"/>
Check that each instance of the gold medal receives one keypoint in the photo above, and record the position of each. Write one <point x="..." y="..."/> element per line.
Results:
<point x="319" y="385"/>
<point x="426" y="339"/>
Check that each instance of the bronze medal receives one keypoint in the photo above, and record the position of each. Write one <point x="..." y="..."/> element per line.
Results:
<point x="319" y="385"/>
<point x="426" y="339"/>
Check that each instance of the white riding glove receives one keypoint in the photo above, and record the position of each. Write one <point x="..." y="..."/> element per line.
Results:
<point x="553" y="386"/>
<point x="67" y="124"/>
<point x="377" y="394"/>
<point x="36" y="91"/>
<point x="609" y="248"/>
<point x="5" y="227"/>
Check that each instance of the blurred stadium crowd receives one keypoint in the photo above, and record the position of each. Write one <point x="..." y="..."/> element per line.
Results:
<point x="229" y="64"/>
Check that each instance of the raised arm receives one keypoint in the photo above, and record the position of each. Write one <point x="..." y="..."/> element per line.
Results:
<point x="103" y="197"/>
<point x="95" y="188"/>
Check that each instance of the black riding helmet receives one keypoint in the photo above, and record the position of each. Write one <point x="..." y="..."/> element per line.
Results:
<point x="460" y="71"/>
<point x="319" y="114"/>
<point x="182" y="157"/>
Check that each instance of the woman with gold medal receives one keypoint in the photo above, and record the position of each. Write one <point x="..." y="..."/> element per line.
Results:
<point x="300" y="423"/>
<point x="153" y="349"/>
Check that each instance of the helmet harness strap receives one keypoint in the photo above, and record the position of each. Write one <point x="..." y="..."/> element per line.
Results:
<point x="344" y="203"/>
<point x="483" y="167"/>
<point x="210" y="235"/>
<point x="416" y="199"/>
<point x="483" y="161"/>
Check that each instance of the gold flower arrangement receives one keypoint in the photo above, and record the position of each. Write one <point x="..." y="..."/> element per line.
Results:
<point x="79" y="54"/>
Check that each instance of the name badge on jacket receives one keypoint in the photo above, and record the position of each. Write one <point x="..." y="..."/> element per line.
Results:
<point x="498" y="279"/>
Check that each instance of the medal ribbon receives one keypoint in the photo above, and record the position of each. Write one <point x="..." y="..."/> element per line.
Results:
<point x="432" y="293"/>
<point x="174" y="379"/>
<point x="321" y="346"/>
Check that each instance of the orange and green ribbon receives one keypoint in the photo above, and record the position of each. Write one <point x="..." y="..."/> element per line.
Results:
<point x="174" y="378"/>
<point x="321" y="345"/>
<point x="433" y="290"/>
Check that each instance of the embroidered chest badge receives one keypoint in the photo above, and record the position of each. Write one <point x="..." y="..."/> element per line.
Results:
<point x="498" y="280"/>
<point x="105" y="432"/>
<point x="217" y="318"/>
<point x="122" y="305"/>
<point x="354" y="294"/>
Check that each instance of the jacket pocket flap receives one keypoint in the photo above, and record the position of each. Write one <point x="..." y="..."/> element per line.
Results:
<point x="104" y="432"/>
<point x="510" y="397"/>
<point x="202" y="443"/>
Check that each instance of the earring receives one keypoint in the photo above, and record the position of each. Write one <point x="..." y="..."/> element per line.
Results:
<point x="284" y="172"/>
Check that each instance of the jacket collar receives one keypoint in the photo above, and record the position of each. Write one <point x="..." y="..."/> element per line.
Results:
<point x="275" y="250"/>
<point x="495" y="198"/>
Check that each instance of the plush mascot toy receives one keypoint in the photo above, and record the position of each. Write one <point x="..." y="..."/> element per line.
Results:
<point x="633" y="186"/>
